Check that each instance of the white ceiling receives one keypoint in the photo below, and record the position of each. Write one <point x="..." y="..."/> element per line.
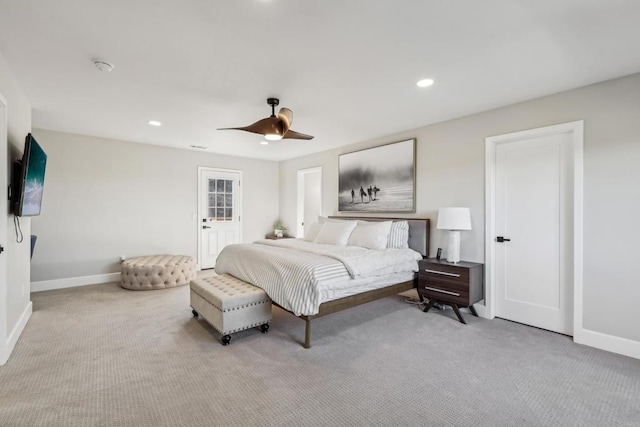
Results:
<point x="347" y="68"/>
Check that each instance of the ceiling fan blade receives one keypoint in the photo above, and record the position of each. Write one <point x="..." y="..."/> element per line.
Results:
<point x="291" y="134"/>
<point x="260" y="127"/>
<point x="274" y="127"/>
<point x="286" y="115"/>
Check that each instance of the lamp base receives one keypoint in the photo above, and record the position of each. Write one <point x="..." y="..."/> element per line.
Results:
<point x="453" y="254"/>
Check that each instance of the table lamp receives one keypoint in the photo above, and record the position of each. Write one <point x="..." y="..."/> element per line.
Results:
<point x="454" y="220"/>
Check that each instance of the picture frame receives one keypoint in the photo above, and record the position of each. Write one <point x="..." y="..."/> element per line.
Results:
<point x="378" y="179"/>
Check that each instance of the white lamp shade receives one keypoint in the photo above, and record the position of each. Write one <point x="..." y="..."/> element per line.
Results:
<point x="454" y="219"/>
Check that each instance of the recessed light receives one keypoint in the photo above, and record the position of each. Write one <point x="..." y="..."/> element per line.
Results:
<point x="154" y="123"/>
<point x="424" y="83"/>
<point x="264" y="142"/>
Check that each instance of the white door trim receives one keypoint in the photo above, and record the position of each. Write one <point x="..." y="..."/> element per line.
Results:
<point x="300" y="197"/>
<point x="576" y="129"/>
<point x="199" y="207"/>
<point x="5" y="345"/>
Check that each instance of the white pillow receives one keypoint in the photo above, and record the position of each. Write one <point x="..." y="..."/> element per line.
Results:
<point x="335" y="233"/>
<point x="371" y="235"/>
<point x="323" y="219"/>
<point x="311" y="231"/>
<point x="399" y="235"/>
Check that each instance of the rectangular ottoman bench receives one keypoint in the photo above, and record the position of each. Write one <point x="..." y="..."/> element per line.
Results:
<point x="230" y="304"/>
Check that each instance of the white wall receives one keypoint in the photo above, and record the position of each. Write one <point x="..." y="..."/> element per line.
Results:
<point x="16" y="307"/>
<point x="105" y="198"/>
<point x="450" y="172"/>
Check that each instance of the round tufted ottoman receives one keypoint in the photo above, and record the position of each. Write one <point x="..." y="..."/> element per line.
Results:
<point x="157" y="272"/>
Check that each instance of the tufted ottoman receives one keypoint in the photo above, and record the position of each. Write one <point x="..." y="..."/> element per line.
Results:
<point x="157" y="272"/>
<point x="230" y="305"/>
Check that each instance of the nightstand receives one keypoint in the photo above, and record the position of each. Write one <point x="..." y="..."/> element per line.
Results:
<point x="274" y="237"/>
<point x="457" y="285"/>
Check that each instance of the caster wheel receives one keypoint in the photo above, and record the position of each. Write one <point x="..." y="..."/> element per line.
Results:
<point x="226" y="339"/>
<point x="264" y="328"/>
<point x="195" y="313"/>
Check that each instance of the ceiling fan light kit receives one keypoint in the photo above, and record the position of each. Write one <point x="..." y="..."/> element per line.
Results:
<point x="274" y="127"/>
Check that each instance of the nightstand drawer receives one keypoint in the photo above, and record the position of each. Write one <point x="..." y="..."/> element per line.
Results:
<point x="443" y="284"/>
<point x="445" y="271"/>
<point x="461" y="278"/>
<point x="445" y="293"/>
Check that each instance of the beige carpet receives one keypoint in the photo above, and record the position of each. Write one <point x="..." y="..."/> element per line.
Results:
<point x="104" y="356"/>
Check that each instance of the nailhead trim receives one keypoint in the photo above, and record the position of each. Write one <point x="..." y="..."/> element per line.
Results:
<point x="267" y="301"/>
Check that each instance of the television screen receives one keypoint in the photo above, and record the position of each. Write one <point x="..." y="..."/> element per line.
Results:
<point x="34" y="162"/>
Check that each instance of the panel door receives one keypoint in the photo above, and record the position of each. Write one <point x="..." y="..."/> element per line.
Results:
<point x="534" y="216"/>
<point x="219" y="220"/>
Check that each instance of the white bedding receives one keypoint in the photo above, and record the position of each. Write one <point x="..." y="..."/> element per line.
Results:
<point x="300" y="275"/>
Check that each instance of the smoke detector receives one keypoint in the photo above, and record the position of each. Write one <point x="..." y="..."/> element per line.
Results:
<point x="102" y="65"/>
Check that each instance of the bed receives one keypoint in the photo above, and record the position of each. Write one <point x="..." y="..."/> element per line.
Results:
<point x="311" y="280"/>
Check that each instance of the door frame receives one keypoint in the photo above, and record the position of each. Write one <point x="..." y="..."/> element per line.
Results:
<point x="238" y="207"/>
<point x="576" y="130"/>
<point x="300" y="197"/>
<point x="5" y="344"/>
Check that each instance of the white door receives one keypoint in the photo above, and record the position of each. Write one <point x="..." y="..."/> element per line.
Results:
<point x="219" y="213"/>
<point x="309" y="198"/>
<point x="534" y="231"/>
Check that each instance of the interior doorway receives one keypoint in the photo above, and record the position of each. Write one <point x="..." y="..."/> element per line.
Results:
<point x="534" y="227"/>
<point x="219" y="212"/>
<point x="309" y="198"/>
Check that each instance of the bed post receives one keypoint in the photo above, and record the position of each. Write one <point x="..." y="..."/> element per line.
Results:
<point x="307" y="332"/>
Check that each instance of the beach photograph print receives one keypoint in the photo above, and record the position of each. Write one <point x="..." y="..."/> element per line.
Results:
<point x="378" y="179"/>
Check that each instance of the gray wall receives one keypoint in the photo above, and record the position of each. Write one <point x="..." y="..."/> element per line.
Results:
<point x="450" y="172"/>
<point x="105" y="198"/>
<point x="16" y="286"/>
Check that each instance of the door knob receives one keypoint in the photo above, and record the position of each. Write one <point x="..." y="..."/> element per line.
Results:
<point x="501" y="239"/>
<point x="204" y="227"/>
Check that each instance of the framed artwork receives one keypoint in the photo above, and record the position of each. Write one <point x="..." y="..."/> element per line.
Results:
<point x="378" y="179"/>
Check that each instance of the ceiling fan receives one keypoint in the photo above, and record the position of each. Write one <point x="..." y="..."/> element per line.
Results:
<point x="274" y="128"/>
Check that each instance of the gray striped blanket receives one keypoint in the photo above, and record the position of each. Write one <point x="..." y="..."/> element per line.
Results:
<point x="290" y="270"/>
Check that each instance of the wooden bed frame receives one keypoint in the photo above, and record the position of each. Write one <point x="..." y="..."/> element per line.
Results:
<point x="418" y="241"/>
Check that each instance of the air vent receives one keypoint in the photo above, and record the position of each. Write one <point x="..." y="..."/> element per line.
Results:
<point x="199" y="147"/>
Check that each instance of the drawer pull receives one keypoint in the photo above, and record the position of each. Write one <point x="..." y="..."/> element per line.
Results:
<point x="442" y="291"/>
<point x="442" y="273"/>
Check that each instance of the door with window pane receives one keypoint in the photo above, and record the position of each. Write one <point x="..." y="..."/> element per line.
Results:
<point x="219" y="218"/>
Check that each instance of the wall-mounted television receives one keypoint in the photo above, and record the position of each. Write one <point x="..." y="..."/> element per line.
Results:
<point x="30" y="183"/>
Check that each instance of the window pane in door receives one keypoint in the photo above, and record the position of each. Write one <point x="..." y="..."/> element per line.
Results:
<point x="229" y="186"/>
<point x="212" y="213"/>
<point x="220" y="200"/>
<point x="228" y="200"/>
<point x="212" y="200"/>
<point x="220" y="186"/>
<point x="212" y="185"/>
<point x="220" y="213"/>
<point x="228" y="213"/>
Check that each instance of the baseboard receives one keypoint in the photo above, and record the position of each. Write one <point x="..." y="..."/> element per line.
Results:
<point x="71" y="282"/>
<point x="611" y="343"/>
<point x="12" y="339"/>
<point x="482" y="311"/>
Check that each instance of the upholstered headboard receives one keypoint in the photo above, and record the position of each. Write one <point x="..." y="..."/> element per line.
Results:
<point x="418" y="231"/>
